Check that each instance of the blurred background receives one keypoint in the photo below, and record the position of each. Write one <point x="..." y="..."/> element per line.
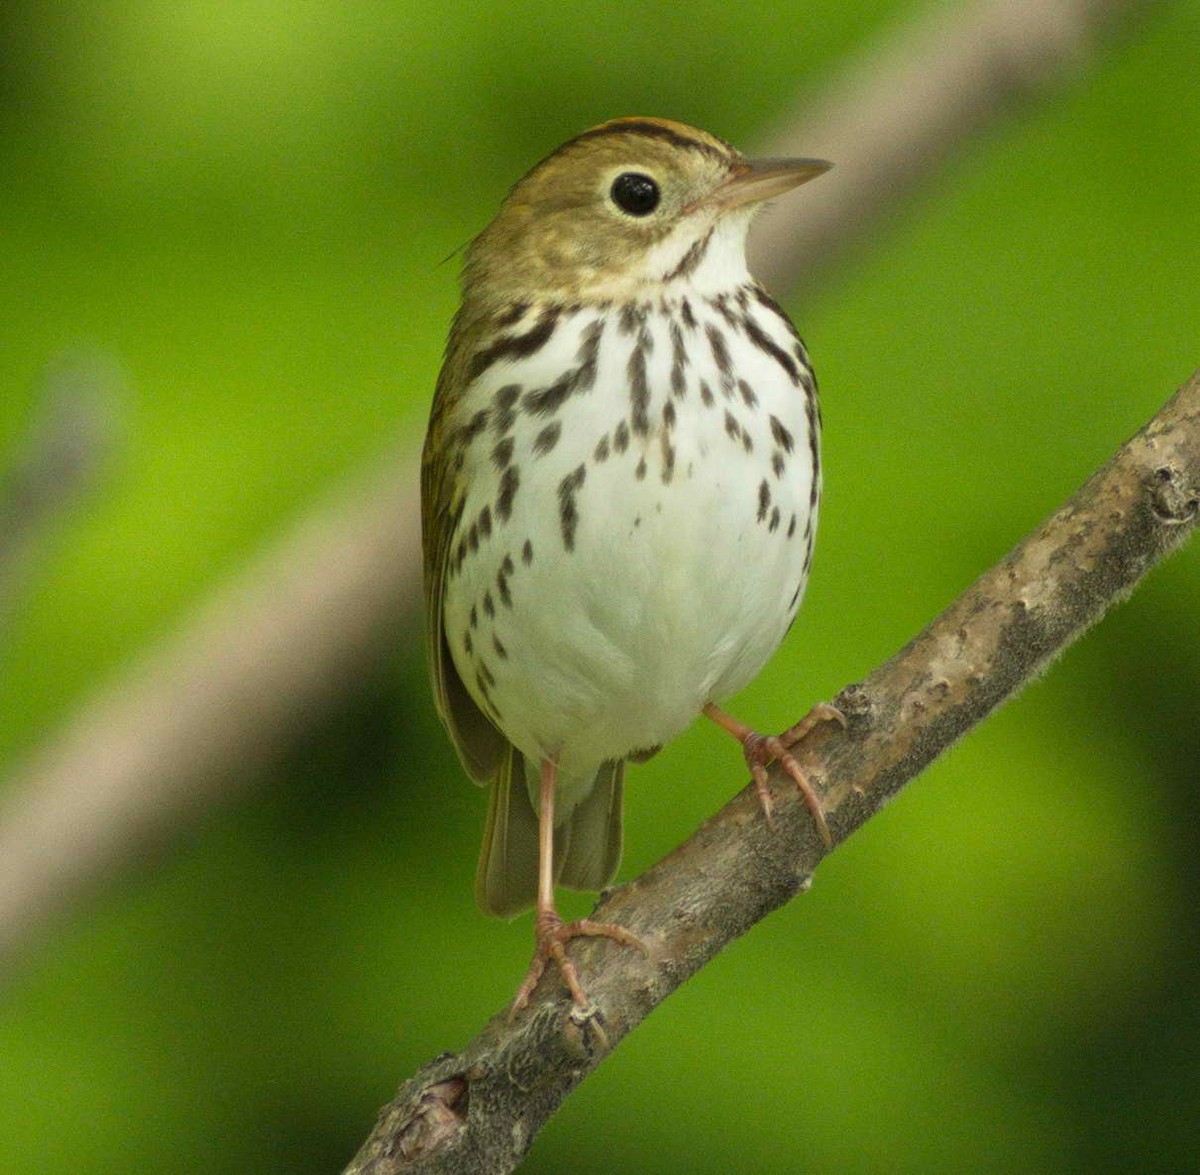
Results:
<point x="224" y="227"/>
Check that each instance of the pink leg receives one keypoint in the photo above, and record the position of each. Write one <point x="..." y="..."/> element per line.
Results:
<point x="551" y="933"/>
<point x="761" y="749"/>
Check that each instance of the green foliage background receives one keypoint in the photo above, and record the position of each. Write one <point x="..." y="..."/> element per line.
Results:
<point x="248" y="204"/>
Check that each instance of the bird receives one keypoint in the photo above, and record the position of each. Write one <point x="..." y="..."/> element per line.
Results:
<point x="620" y="485"/>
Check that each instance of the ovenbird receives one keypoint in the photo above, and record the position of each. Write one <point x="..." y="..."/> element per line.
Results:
<point x="619" y="494"/>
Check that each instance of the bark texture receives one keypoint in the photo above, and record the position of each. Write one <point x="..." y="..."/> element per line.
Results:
<point x="479" y="1110"/>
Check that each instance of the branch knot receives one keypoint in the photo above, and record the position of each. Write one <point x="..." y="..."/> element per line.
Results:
<point x="1173" y="498"/>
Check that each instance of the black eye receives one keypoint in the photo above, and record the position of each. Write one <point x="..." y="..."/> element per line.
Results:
<point x="635" y="193"/>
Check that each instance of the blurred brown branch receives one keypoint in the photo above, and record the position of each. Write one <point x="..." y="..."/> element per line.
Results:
<point x="195" y="717"/>
<point x="478" y="1111"/>
<point x="894" y="115"/>
<point x="199" y="713"/>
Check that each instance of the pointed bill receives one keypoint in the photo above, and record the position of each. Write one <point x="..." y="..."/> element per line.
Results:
<point x="763" y="179"/>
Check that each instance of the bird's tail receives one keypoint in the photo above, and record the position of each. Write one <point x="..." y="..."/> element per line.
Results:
<point x="587" y="842"/>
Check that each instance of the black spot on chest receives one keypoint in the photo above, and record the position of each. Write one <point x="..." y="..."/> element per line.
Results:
<point x="568" y="510"/>
<point x="516" y="346"/>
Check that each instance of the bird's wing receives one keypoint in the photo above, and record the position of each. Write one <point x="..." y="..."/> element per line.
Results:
<point x="479" y="744"/>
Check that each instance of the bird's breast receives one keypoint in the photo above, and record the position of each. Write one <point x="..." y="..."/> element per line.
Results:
<point x="639" y="496"/>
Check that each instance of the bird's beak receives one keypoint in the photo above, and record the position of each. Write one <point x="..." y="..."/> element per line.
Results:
<point x="762" y="179"/>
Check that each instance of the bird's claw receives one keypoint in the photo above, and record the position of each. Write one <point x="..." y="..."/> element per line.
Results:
<point x="552" y="935"/>
<point x="763" y="749"/>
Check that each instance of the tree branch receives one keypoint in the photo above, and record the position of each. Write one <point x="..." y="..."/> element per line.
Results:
<point x="195" y="715"/>
<point x="199" y="713"/>
<point x="898" y="111"/>
<point x="478" y="1111"/>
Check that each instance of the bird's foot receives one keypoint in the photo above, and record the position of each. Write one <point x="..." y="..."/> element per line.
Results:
<point x="819" y="715"/>
<point x="763" y="749"/>
<point x="552" y="935"/>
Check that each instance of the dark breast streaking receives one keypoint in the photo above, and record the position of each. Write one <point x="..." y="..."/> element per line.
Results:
<point x="686" y="501"/>
<point x="619" y="491"/>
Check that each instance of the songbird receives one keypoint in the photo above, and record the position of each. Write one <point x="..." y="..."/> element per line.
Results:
<point x="620" y="485"/>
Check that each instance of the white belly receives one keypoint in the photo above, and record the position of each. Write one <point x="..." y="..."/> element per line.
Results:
<point x="656" y="545"/>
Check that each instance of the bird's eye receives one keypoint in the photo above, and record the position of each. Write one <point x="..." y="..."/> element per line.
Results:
<point x="635" y="193"/>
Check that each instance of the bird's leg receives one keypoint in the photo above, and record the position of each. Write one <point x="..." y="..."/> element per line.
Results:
<point x="761" y="749"/>
<point x="551" y="933"/>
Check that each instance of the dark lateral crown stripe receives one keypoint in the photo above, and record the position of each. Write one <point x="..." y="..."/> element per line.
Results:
<point x="653" y="130"/>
